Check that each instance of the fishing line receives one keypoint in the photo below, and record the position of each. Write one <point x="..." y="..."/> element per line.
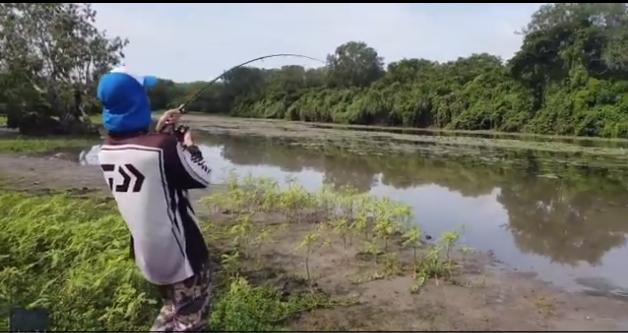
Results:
<point x="181" y="129"/>
<point x="229" y="71"/>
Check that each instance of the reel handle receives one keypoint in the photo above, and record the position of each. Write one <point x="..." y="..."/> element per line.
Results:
<point x="177" y="131"/>
<point x="180" y="131"/>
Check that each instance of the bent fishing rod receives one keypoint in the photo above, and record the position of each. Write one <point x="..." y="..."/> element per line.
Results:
<point x="181" y="129"/>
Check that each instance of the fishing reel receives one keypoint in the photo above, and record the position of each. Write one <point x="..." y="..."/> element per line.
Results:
<point x="179" y="131"/>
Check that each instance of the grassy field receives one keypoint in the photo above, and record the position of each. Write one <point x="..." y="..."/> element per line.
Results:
<point x="96" y="119"/>
<point x="28" y="145"/>
<point x="74" y="254"/>
<point x="17" y="144"/>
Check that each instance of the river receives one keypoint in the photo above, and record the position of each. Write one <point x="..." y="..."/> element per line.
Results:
<point x="566" y="226"/>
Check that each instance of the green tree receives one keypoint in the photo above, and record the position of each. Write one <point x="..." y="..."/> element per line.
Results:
<point x="354" y="64"/>
<point x="52" y="56"/>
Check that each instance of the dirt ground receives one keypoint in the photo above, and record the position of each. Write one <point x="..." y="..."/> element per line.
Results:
<point x="484" y="297"/>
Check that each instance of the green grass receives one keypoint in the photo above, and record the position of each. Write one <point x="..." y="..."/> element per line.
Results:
<point x="27" y="145"/>
<point x="96" y="119"/>
<point x="71" y="256"/>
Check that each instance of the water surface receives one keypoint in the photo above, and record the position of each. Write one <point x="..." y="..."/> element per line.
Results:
<point x="567" y="226"/>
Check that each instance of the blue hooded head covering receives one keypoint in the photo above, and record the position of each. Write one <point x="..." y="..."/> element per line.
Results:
<point x="125" y="101"/>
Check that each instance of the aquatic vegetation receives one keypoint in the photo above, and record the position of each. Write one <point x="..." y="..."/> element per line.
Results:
<point x="377" y="226"/>
<point x="70" y="254"/>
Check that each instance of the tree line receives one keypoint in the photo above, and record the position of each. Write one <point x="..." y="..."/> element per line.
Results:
<point x="570" y="77"/>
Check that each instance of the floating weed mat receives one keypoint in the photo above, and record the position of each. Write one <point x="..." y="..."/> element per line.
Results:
<point x="71" y="256"/>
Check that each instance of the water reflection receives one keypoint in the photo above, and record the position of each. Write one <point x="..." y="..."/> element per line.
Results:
<point x="563" y="227"/>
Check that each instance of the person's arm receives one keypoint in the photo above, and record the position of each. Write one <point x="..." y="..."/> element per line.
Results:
<point x="168" y="117"/>
<point x="185" y="166"/>
<point x="161" y="124"/>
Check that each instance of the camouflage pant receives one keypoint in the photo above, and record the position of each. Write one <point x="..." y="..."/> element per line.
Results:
<point x="186" y="305"/>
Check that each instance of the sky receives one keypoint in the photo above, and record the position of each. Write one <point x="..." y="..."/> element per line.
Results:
<point x="191" y="42"/>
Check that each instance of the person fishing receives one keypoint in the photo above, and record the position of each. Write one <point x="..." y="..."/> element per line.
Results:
<point x="149" y="174"/>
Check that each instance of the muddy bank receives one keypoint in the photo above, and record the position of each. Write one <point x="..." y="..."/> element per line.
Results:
<point x="482" y="298"/>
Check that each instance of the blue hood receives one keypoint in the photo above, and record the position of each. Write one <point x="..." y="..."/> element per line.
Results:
<point x="125" y="101"/>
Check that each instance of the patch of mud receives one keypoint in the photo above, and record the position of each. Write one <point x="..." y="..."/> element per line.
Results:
<point x="80" y="192"/>
<point x="41" y="175"/>
<point x="66" y="154"/>
<point x="288" y="285"/>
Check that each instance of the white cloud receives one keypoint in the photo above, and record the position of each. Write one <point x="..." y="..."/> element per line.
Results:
<point x="186" y="41"/>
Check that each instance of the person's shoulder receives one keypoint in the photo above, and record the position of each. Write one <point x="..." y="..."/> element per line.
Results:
<point x="162" y="140"/>
<point x="150" y="140"/>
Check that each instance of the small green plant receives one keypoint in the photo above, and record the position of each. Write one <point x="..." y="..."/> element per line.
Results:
<point x="342" y="228"/>
<point x="309" y="244"/>
<point x="241" y="232"/>
<point x="230" y="263"/>
<point x="412" y="238"/>
<point x="264" y="237"/>
<point x="244" y="308"/>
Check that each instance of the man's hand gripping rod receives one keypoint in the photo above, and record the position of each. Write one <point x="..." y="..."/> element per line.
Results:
<point x="180" y="130"/>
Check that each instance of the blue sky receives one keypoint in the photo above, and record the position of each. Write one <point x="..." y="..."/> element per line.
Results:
<point x="189" y="42"/>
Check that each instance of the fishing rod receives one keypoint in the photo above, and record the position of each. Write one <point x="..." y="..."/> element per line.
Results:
<point x="181" y="129"/>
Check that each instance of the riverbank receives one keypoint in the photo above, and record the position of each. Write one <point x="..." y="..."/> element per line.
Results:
<point x="351" y="286"/>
